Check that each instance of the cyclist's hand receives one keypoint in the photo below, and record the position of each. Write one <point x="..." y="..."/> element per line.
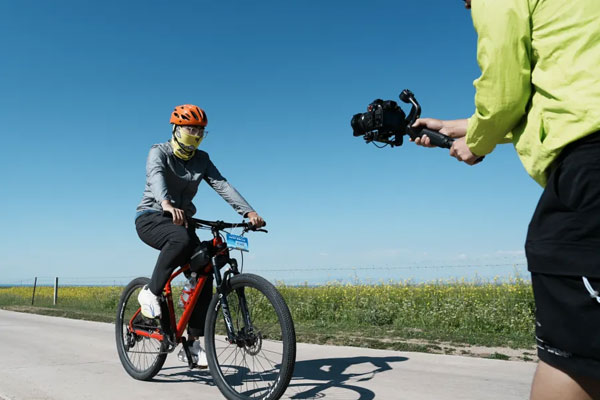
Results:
<point x="178" y="214"/>
<point x="453" y="128"/>
<point x="255" y="219"/>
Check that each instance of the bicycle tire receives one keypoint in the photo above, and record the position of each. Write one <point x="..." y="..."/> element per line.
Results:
<point x="273" y="330"/>
<point x="141" y="357"/>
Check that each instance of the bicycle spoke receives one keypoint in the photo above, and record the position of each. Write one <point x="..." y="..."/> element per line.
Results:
<point x="259" y="363"/>
<point x="271" y="351"/>
<point x="271" y="364"/>
<point x="259" y="375"/>
<point x="233" y="353"/>
<point x="142" y="357"/>
<point x="251" y="375"/>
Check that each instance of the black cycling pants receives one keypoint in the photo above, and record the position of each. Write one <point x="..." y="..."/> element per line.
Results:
<point x="176" y="244"/>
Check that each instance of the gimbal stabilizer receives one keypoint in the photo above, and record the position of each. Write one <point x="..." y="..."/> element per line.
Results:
<point x="385" y="122"/>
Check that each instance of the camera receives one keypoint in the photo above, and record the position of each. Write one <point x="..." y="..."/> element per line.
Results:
<point x="385" y="122"/>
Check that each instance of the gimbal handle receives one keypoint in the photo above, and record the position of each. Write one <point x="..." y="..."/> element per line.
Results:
<point x="437" y="139"/>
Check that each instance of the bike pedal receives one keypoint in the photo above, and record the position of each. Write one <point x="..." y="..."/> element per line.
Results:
<point x="196" y="366"/>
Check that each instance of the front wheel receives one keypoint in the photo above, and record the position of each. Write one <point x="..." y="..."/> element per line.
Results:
<point x="258" y="363"/>
<point x="141" y="356"/>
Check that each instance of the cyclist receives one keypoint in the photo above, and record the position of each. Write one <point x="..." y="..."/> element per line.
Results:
<point x="174" y="170"/>
<point x="539" y="88"/>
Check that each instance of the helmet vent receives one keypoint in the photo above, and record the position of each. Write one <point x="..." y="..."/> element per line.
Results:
<point x="188" y="114"/>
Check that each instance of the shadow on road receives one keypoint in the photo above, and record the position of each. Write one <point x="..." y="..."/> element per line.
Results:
<point x="312" y="379"/>
<point x="183" y="374"/>
<point x="337" y="373"/>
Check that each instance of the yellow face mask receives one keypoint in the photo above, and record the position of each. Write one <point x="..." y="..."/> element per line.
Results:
<point x="185" y="145"/>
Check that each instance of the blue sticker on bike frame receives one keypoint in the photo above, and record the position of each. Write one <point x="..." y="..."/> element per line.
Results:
<point x="236" y="242"/>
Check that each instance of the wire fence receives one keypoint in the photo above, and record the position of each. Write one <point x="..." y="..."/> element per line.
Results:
<point x="477" y="272"/>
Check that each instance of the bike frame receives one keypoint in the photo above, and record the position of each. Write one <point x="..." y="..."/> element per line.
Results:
<point x="177" y="328"/>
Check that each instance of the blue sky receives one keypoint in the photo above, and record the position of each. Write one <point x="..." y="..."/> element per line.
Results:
<point x="88" y="87"/>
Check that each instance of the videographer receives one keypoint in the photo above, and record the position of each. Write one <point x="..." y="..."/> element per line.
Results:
<point x="540" y="89"/>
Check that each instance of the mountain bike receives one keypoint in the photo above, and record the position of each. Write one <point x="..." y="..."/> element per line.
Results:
<point x="249" y="334"/>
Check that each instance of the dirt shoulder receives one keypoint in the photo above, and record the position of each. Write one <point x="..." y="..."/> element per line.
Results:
<point x="423" y="346"/>
<point x="501" y="353"/>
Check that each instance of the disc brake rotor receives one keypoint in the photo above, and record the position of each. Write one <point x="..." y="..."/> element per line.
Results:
<point x="255" y="345"/>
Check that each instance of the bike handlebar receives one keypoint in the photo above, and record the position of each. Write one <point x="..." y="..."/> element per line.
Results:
<point x="220" y="225"/>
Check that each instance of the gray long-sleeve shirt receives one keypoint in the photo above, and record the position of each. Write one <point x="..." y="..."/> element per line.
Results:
<point x="169" y="177"/>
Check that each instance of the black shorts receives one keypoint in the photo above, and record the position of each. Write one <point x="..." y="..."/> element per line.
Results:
<point x="567" y="324"/>
<point x="563" y="244"/>
<point x="564" y="232"/>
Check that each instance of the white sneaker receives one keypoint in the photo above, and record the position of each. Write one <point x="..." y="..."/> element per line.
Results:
<point x="149" y="303"/>
<point x="198" y="355"/>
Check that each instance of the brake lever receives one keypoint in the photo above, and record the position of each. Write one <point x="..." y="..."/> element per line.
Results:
<point x="248" y="229"/>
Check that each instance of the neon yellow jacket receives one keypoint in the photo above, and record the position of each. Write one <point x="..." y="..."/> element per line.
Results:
<point x="540" y="77"/>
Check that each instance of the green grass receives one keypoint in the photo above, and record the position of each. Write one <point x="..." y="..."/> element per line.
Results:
<point x="400" y="316"/>
<point x="491" y="314"/>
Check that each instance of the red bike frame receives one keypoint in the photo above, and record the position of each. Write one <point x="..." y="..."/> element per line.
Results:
<point x="188" y="306"/>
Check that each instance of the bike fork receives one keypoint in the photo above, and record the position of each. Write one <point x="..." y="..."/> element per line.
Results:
<point x="224" y="305"/>
<point x="244" y="308"/>
<point x="222" y="284"/>
<point x="241" y="297"/>
<point x="231" y="334"/>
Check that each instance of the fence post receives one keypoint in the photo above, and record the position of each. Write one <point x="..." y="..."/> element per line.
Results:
<point x="55" y="290"/>
<point x="34" y="285"/>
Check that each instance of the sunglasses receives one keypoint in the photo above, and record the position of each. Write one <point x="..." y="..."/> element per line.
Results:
<point x="196" y="130"/>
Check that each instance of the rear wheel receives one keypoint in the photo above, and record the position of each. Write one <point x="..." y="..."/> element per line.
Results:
<point x="142" y="357"/>
<point x="259" y="362"/>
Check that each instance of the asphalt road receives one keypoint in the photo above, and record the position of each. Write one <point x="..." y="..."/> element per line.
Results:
<point x="62" y="359"/>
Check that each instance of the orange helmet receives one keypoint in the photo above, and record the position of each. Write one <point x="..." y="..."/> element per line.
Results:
<point x="188" y="114"/>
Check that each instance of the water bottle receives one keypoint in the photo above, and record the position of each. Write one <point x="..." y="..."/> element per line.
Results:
<point x="187" y="290"/>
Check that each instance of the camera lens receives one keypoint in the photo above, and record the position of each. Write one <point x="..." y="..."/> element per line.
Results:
<point x="362" y="123"/>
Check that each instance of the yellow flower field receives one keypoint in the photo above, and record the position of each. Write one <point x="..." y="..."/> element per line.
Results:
<point x="492" y="313"/>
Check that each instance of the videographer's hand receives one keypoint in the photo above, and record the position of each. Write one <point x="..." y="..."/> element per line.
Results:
<point x="461" y="152"/>
<point x="178" y="214"/>
<point x="454" y="128"/>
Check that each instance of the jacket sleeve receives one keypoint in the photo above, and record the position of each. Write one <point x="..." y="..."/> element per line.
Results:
<point x="504" y="87"/>
<point x="155" y="174"/>
<point x="214" y="178"/>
